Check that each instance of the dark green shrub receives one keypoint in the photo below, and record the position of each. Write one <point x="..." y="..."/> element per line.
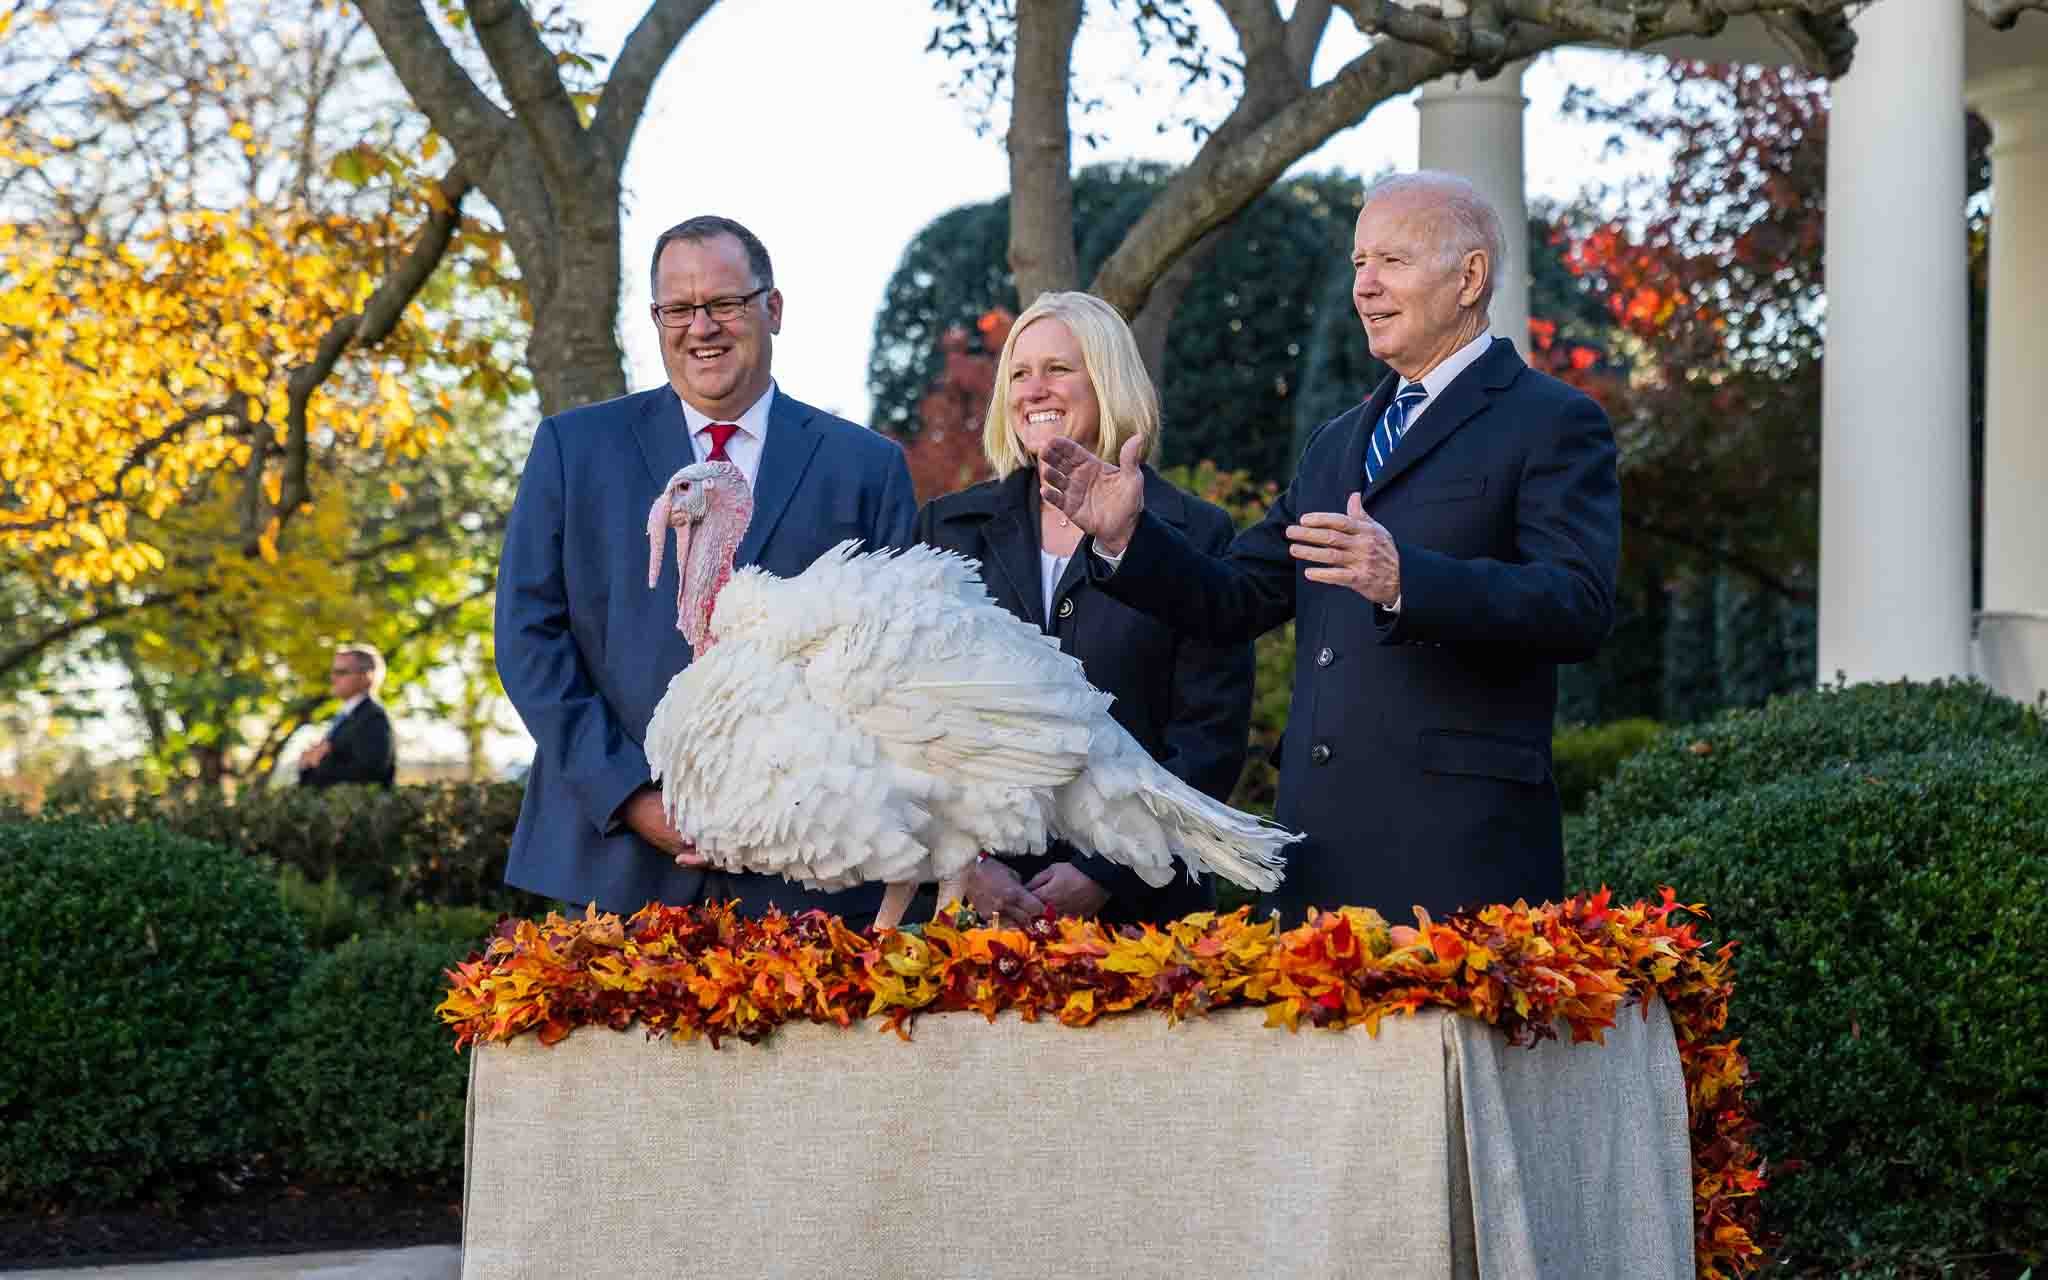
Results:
<point x="442" y="843"/>
<point x="144" y="976"/>
<point x="465" y="929"/>
<point x="370" y="1084"/>
<point x="1890" y="982"/>
<point x="327" y="912"/>
<point x="1798" y="734"/>
<point x="1584" y="757"/>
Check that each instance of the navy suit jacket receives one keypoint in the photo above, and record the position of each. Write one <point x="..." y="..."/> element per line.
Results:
<point x="586" y="650"/>
<point x="359" y="749"/>
<point x="1416" y="761"/>
<point x="1187" y="703"/>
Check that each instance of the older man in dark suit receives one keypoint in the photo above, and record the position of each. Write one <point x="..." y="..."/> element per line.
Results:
<point x="585" y="650"/>
<point x="358" y="746"/>
<point x="1443" y="547"/>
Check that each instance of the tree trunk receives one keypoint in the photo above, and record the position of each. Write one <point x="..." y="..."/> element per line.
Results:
<point x="1156" y="318"/>
<point x="1041" y="150"/>
<point x="553" y="177"/>
<point x="573" y="351"/>
<point x="146" y="703"/>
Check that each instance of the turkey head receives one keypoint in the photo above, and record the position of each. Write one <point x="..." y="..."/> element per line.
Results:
<point x="708" y="505"/>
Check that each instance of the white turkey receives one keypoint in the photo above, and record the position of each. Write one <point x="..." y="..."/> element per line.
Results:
<point x="879" y="717"/>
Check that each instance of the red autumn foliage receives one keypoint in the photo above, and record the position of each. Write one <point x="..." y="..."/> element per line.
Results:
<point x="945" y="455"/>
<point x="1712" y="275"/>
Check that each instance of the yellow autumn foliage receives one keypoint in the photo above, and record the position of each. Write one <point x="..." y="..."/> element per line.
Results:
<point x="130" y="374"/>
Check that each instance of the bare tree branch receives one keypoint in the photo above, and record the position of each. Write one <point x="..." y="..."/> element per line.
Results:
<point x="146" y="701"/>
<point x="1305" y="35"/>
<point x="435" y="81"/>
<point x="1257" y="22"/>
<point x="639" y="64"/>
<point x="532" y="81"/>
<point x="1231" y="171"/>
<point x="1479" y="45"/>
<point x="2002" y="14"/>
<point x="365" y="328"/>
<point x="22" y="652"/>
<point x="1273" y="77"/>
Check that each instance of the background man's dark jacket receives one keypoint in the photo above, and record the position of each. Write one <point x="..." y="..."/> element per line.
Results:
<point x="359" y="749"/>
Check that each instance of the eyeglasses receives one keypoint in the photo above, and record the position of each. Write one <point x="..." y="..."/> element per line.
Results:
<point x="347" y="671"/>
<point x="681" y="315"/>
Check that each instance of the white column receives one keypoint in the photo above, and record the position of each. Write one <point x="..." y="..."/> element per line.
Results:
<point x="2012" y="653"/>
<point x="1895" y="400"/>
<point x="1473" y="128"/>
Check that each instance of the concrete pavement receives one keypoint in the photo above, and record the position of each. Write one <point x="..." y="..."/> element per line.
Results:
<point x="427" y="1262"/>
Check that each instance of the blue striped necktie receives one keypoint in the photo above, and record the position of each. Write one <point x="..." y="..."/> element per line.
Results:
<point x="1393" y="425"/>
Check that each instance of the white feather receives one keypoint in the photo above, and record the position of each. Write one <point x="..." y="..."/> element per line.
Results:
<point x="879" y="717"/>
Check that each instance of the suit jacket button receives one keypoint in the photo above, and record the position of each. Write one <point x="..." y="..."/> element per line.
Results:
<point x="1067" y="607"/>
<point x="1325" y="658"/>
<point x="1319" y="753"/>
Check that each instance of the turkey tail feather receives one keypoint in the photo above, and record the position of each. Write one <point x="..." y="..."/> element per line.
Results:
<point x="1243" y="848"/>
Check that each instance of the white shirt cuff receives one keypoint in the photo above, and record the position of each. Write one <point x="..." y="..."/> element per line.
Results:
<point x="1108" y="559"/>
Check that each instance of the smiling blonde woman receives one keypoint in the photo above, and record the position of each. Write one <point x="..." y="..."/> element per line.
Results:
<point x="1070" y="367"/>
<point x="1124" y="400"/>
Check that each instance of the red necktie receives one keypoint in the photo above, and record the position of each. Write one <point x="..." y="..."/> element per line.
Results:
<point x="720" y="432"/>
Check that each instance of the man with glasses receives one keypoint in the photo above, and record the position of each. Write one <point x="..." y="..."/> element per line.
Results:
<point x="586" y="650"/>
<point x="358" y="746"/>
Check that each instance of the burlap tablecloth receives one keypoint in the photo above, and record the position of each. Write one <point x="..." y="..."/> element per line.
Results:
<point x="1214" y="1148"/>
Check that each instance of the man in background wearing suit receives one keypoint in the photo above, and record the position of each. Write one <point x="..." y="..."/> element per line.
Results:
<point x="1443" y="547"/>
<point x="358" y="746"/>
<point x="586" y="650"/>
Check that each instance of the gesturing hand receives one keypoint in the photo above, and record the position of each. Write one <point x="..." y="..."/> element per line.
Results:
<point x="1103" y="500"/>
<point x="644" y="817"/>
<point x="1349" y="550"/>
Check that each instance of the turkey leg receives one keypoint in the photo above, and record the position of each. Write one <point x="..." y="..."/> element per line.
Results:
<point x="895" y="901"/>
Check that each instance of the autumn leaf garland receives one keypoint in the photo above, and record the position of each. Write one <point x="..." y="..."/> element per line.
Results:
<point x="691" y="971"/>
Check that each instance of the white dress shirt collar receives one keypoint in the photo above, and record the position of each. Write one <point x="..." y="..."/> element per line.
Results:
<point x="746" y="444"/>
<point x="1439" y="379"/>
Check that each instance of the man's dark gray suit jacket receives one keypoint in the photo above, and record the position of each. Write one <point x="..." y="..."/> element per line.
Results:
<point x="1416" y="760"/>
<point x="586" y="650"/>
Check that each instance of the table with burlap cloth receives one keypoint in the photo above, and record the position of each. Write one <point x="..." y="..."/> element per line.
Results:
<point x="1218" y="1147"/>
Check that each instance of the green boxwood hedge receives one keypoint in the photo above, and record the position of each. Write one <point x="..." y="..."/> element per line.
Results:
<point x="1798" y="734"/>
<point x="439" y="843"/>
<point x="1583" y="758"/>
<point x="144" y="979"/>
<point x="1890" y="978"/>
<point x="370" y="1084"/>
